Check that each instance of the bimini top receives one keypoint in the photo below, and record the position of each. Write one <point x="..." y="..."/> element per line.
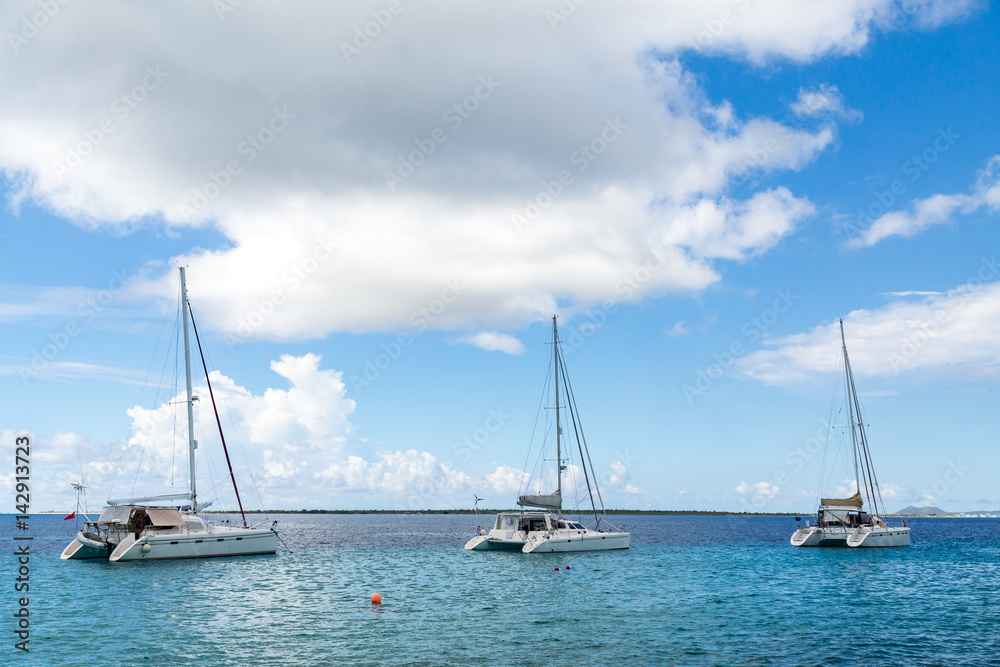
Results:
<point x="158" y="516"/>
<point x="853" y="501"/>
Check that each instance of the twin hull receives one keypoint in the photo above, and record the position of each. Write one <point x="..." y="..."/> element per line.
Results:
<point x="556" y="541"/>
<point x="215" y="544"/>
<point x="838" y="536"/>
<point x="169" y="545"/>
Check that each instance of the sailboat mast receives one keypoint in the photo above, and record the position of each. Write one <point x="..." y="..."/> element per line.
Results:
<point x="192" y="443"/>
<point x="555" y="353"/>
<point x="850" y="405"/>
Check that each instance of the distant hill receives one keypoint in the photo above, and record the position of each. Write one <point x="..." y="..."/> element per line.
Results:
<point x="928" y="510"/>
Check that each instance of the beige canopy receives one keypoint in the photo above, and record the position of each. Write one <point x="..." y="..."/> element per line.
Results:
<point x="164" y="517"/>
<point x="853" y="501"/>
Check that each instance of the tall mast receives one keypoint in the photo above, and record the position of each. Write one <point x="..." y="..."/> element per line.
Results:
<point x="192" y="443"/>
<point x="850" y="405"/>
<point x="559" y="467"/>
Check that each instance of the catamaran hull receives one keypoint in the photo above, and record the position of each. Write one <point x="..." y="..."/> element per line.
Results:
<point x="488" y="543"/>
<point x="589" y="542"/>
<point x="81" y="547"/>
<point x="866" y="537"/>
<point x="166" y="547"/>
<point x="819" y="537"/>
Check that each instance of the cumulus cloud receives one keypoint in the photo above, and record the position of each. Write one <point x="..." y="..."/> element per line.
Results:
<point x="949" y="333"/>
<point x="757" y="492"/>
<point x="494" y="341"/>
<point x="352" y="182"/>
<point x="934" y="210"/>
<point x="67" y="457"/>
<point x="282" y="433"/>
<point x="824" y="101"/>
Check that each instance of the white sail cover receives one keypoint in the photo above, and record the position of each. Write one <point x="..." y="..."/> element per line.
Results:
<point x="551" y="501"/>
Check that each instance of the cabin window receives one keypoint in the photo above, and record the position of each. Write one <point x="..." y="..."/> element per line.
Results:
<point x="562" y="524"/>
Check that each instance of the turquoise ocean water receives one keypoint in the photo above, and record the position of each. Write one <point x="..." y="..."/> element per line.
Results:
<point x="691" y="591"/>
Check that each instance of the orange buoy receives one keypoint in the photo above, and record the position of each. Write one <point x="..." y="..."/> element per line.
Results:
<point x="376" y="598"/>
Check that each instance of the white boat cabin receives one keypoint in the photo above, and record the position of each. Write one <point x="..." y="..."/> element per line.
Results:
<point x="525" y="522"/>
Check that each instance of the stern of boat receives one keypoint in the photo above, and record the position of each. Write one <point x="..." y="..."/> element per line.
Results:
<point x="805" y="537"/>
<point x="81" y="548"/>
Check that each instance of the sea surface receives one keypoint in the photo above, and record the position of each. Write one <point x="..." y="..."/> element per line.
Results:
<point x="691" y="591"/>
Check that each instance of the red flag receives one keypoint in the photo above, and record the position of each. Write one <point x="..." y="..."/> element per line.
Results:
<point x="71" y="516"/>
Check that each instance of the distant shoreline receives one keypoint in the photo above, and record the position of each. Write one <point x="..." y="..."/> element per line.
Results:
<point x="609" y="512"/>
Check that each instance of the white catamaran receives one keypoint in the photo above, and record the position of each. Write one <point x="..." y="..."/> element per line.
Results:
<point x="547" y="531"/>
<point x="155" y="528"/>
<point x="843" y="521"/>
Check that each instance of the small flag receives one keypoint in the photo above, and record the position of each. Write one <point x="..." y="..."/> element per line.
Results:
<point x="70" y="516"/>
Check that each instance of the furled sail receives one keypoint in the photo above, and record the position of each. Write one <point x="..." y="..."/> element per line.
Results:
<point x="853" y="501"/>
<point x="551" y="501"/>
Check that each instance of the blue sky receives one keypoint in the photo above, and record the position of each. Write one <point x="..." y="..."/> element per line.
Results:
<point x="378" y="231"/>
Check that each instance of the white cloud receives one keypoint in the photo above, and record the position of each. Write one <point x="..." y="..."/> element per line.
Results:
<point x="934" y="210"/>
<point x="619" y="473"/>
<point x="941" y="333"/>
<point x="824" y="101"/>
<point x="494" y="341"/>
<point x="757" y="492"/>
<point x="846" y="489"/>
<point x="283" y="434"/>
<point x="40" y="366"/>
<point x="891" y="490"/>
<point x="934" y="13"/>
<point x="662" y="152"/>
<point x="678" y="330"/>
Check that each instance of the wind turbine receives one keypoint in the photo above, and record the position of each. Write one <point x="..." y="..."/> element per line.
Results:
<point x="475" y="507"/>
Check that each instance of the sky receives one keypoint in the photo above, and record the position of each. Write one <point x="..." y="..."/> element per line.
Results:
<point x="381" y="205"/>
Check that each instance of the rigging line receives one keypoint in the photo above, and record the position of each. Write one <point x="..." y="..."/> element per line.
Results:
<point x="236" y="432"/>
<point x="871" y="482"/>
<point x="829" y="434"/>
<point x="217" y="420"/>
<point x="848" y="386"/>
<point x="583" y="439"/>
<point x="173" y="392"/>
<point x="152" y="414"/>
<point x="872" y="479"/>
<point x="574" y="418"/>
<point x="859" y="442"/>
<point x="128" y="434"/>
<point x="211" y="487"/>
<point x="538" y="411"/>
<point x="156" y="459"/>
